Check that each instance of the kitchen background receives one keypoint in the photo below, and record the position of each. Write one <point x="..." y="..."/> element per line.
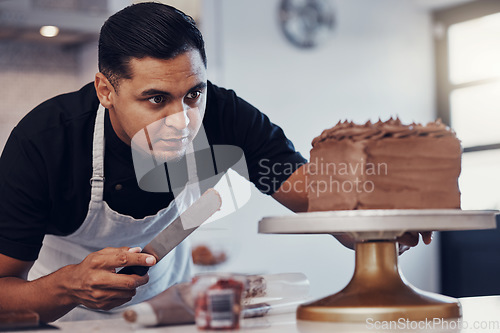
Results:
<point x="380" y="59"/>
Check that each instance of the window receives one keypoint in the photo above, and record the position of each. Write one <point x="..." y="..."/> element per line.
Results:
<point x="468" y="94"/>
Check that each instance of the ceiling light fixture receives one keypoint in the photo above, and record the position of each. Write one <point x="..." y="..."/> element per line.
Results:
<point x="49" y="31"/>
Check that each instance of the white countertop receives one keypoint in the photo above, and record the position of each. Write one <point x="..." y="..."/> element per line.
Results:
<point x="480" y="314"/>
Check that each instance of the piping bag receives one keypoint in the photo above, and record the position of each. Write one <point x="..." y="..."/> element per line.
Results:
<point x="176" y="305"/>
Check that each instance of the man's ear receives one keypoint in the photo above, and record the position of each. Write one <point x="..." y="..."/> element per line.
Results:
<point x="104" y="90"/>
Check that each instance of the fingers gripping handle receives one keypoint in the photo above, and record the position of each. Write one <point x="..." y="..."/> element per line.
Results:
<point x="138" y="270"/>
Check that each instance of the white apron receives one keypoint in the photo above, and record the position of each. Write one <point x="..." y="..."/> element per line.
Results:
<point x="104" y="227"/>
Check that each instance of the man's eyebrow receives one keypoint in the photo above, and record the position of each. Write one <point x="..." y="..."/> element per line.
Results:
<point x="201" y="85"/>
<point x="152" y="92"/>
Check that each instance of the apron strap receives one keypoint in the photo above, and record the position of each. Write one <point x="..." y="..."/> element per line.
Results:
<point x="97" y="180"/>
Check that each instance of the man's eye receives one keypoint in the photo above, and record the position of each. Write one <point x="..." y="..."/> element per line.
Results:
<point x="193" y="95"/>
<point x="157" y="99"/>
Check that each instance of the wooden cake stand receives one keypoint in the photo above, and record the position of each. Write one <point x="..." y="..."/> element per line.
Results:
<point x="377" y="290"/>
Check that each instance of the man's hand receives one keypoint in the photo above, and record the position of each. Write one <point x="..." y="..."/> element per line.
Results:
<point x="410" y="239"/>
<point x="95" y="284"/>
<point x="406" y="241"/>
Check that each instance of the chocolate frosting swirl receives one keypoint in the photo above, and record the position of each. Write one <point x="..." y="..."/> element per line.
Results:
<point x="392" y="128"/>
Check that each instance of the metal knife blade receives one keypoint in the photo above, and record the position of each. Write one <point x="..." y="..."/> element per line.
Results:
<point x="200" y="211"/>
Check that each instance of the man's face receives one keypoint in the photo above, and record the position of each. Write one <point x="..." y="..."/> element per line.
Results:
<point x="166" y="99"/>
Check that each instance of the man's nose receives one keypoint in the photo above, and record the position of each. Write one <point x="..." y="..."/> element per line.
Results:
<point x="178" y="120"/>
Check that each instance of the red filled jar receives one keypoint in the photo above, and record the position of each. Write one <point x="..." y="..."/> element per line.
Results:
<point x="218" y="300"/>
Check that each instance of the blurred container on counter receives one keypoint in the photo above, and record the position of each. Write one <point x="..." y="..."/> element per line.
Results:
<point x="218" y="300"/>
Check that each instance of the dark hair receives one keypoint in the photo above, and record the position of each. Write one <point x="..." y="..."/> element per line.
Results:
<point x="145" y="30"/>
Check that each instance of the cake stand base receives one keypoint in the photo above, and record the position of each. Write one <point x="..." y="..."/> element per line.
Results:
<point x="378" y="292"/>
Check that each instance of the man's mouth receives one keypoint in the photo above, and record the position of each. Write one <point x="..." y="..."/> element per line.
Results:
<point x="177" y="139"/>
<point x="174" y="143"/>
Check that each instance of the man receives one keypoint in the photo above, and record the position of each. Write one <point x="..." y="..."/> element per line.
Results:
<point x="60" y="180"/>
<point x="67" y="176"/>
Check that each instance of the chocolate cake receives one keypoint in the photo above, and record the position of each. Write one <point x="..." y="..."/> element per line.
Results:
<point x="384" y="165"/>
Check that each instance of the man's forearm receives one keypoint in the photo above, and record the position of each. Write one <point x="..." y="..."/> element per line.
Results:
<point x="47" y="295"/>
<point x="92" y="283"/>
<point x="292" y="193"/>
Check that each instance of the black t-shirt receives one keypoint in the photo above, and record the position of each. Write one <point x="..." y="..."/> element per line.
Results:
<point x="46" y="165"/>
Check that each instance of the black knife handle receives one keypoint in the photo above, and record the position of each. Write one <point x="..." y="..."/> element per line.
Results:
<point x="138" y="270"/>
